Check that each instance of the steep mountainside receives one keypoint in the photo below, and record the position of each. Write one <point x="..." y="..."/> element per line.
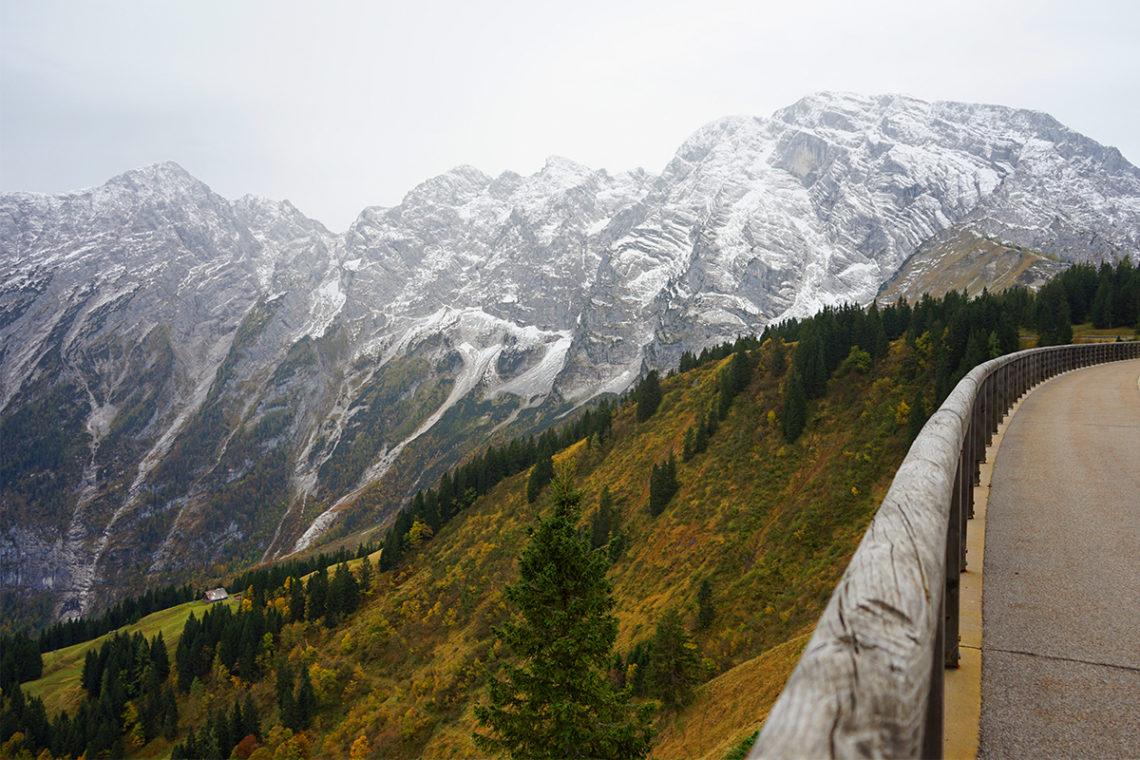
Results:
<point x="965" y="261"/>
<point x="769" y="525"/>
<point x="189" y="381"/>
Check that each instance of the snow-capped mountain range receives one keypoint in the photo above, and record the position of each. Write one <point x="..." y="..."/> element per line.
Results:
<point x="189" y="381"/>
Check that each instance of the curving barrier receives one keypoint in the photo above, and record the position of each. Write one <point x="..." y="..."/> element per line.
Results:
<point x="870" y="681"/>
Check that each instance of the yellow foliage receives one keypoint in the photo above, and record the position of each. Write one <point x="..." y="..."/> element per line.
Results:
<point x="902" y="413"/>
<point x="410" y="609"/>
<point x="296" y="747"/>
<point x="412" y="722"/>
<point x="135" y="737"/>
<point x="221" y="672"/>
<point x="394" y="703"/>
<point x="353" y="684"/>
<point x="130" y="716"/>
<point x="360" y="748"/>
<point x="324" y="682"/>
<point x="267" y="645"/>
<point x="924" y="345"/>
<point x="418" y="534"/>
<point x="13" y="746"/>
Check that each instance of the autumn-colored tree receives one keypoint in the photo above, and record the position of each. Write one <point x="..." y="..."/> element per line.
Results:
<point x="360" y="748"/>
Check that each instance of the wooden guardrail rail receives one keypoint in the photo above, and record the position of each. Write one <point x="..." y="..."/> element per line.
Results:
<point x="870" y="681"/>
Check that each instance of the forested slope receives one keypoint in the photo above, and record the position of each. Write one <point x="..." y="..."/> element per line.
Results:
<point x="726" y="529"/>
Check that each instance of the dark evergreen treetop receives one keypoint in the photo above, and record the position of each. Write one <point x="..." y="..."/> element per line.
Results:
<point x="794" y="414"/>
<point x="648" y="395"/>
<point x="674" y="664"/>
<point x="540" y="475"/>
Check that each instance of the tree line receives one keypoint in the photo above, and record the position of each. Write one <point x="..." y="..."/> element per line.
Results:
<point x="123" y="612"/>
<point x="1107" y="296"/>
<point x="128" y="702"/>
<point x="430" y="510"/>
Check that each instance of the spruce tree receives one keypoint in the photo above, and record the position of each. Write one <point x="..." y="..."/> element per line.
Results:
<point x="811" y="365"/>
<point x="284" y="689"/>
<point x="556" y="700"/>
<point x="305" y="704"/>
<point x="208" y="746"/>
<point x="251" y="719"/>
<point x="236" y="727"/>
<point x="364" y="576"/>
<point x="740" y="368"/>
<point x="916" y="415"/>
<point x="170" y="714"/>
<point x="393" y="547"/>
<point x="701" y="441"/>
<point x="712" y="423"/>
<point x="344" y="592"/>
<point x="296" y="599"/>
<point x="540" y="475"/>
<point x="160" y="659"/>
<point x="674" y="666"/>
<point x="662" y="485"/>
<point x="1008" y="339"/>
<point x="778" y="356"/>
<point x="648" y="396"/>
<point x="603" y="521"/>
<point x="317" y="590"/>
<point x="794" y="415"/>
<point x="1053" y="325"/>
<point x="724" y="393"/>
<point x="705" y="610"/>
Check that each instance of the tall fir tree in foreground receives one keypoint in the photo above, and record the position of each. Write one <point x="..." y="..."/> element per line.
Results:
<point x="556" y="700"/>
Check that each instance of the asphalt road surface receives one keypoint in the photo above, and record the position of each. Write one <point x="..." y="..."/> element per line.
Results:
<point x="1061" y="597"/>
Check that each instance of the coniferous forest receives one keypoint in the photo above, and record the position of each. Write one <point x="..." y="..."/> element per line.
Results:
<point x="666" y="553"/>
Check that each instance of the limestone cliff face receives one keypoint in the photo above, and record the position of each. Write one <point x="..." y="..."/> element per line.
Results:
<point x="188" y="381"/>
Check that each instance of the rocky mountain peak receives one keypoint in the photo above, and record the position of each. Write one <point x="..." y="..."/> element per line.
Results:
<point x="452" y="188"/>
<point x="218" y="368"/>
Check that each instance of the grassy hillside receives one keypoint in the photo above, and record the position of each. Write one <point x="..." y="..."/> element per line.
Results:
<point x="769" y="524"/>
<point x="967" y="261"/>
<point x="59" y="687"/>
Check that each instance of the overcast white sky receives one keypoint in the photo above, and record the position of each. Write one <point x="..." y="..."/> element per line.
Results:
<point x="338" y="105"/>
